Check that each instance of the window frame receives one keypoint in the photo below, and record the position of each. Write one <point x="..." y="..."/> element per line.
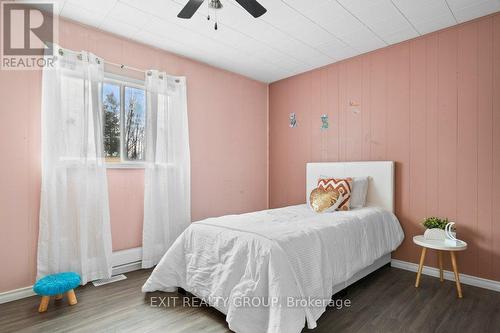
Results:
<point x="122" y="82"/>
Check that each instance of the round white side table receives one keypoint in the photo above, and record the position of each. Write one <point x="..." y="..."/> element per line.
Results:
<point x="440" y="246"/>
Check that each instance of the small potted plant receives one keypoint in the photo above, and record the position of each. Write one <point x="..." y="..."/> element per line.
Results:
<point x="435" y="228"/>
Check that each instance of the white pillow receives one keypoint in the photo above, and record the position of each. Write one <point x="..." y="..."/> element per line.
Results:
<point x="359" y="191"/>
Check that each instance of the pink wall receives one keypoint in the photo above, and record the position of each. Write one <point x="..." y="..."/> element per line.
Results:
<point x="228" y="121"/>
<point x="431" y="104"/>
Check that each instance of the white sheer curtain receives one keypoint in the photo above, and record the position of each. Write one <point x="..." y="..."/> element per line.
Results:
<point x="74" y="213"/>
<point x="167" y="188"/>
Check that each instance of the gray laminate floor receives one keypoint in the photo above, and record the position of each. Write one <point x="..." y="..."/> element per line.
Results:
<point x="385" y="301"/>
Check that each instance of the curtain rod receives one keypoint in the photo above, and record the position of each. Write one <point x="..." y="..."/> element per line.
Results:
<point x="122" y="66"/>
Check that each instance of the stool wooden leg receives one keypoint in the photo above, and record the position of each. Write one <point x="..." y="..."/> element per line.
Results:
<point x="59" y="297"/>
<point x="71" y="297"/>
<point x="44" y="303"/>
<point x="440" y="260"/>
<point x="455" y="270"/>
<point x="420" y="266"/>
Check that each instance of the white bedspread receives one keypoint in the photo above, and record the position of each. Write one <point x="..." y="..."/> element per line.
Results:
<point x="280" y="254"/>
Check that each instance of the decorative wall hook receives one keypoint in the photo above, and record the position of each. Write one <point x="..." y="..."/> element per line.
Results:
<point x="293" y="120"/>
<point x="324" y="121"/>
<point x="354" y="106"/>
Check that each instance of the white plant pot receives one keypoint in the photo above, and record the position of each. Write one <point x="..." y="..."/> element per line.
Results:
<point x="436" y="234"/>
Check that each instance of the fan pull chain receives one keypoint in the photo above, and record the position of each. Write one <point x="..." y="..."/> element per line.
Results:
<point x="215" y="26"/>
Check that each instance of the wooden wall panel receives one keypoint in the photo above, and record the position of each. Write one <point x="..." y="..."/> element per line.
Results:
<point x="418" y="140"/>
<point x="333" y="112"/>
<point x="397" y="130"/>
<point x="324" y="104"/>
<point x="353" y="124"/>
<point x="343" y="97"/>
<point x="495" y="225"/>
<point x="432" y="129"/>
<point x="431" y="104"/>
<point x="447" y="123"/>
<point x="378" y="106"/>
<point x="318" y="102"/>
<point x="467" y="152"/>
<point x="278" y="124"/>
<point x="484" y="147"/>
<point x="365" y="109"/>
<point x="299" y="142"/>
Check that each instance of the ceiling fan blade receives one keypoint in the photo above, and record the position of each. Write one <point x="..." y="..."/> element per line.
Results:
<point x="189" y="9"/>
<point x="253" y="7"/>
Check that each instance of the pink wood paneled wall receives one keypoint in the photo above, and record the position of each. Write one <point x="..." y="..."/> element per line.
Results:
<point x="431" y="104"/>
<point x="228" y="122"/>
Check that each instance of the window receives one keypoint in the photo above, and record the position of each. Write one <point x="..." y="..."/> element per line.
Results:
<point x="124" y="108"/>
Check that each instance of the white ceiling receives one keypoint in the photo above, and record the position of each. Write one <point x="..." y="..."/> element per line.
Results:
<point x="294" y="36"/>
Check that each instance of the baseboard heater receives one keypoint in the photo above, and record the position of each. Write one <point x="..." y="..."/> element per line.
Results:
<point x="127" y="260"/>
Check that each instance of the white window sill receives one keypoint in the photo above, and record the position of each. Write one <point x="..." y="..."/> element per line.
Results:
<point x="125" y="165"/>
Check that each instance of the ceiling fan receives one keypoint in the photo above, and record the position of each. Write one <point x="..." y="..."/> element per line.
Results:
<point x="251" y="6"/>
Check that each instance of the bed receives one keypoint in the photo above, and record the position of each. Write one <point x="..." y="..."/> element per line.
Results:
<point x="275" y="270"/>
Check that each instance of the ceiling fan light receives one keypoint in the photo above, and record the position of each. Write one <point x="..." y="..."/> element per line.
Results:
<point x="215" y="4"/>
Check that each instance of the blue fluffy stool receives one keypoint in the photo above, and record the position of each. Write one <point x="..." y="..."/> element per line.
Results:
<point x="56" y="285"/>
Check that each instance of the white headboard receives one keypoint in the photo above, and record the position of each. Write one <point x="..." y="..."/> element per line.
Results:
<point x="380" y="173"/>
